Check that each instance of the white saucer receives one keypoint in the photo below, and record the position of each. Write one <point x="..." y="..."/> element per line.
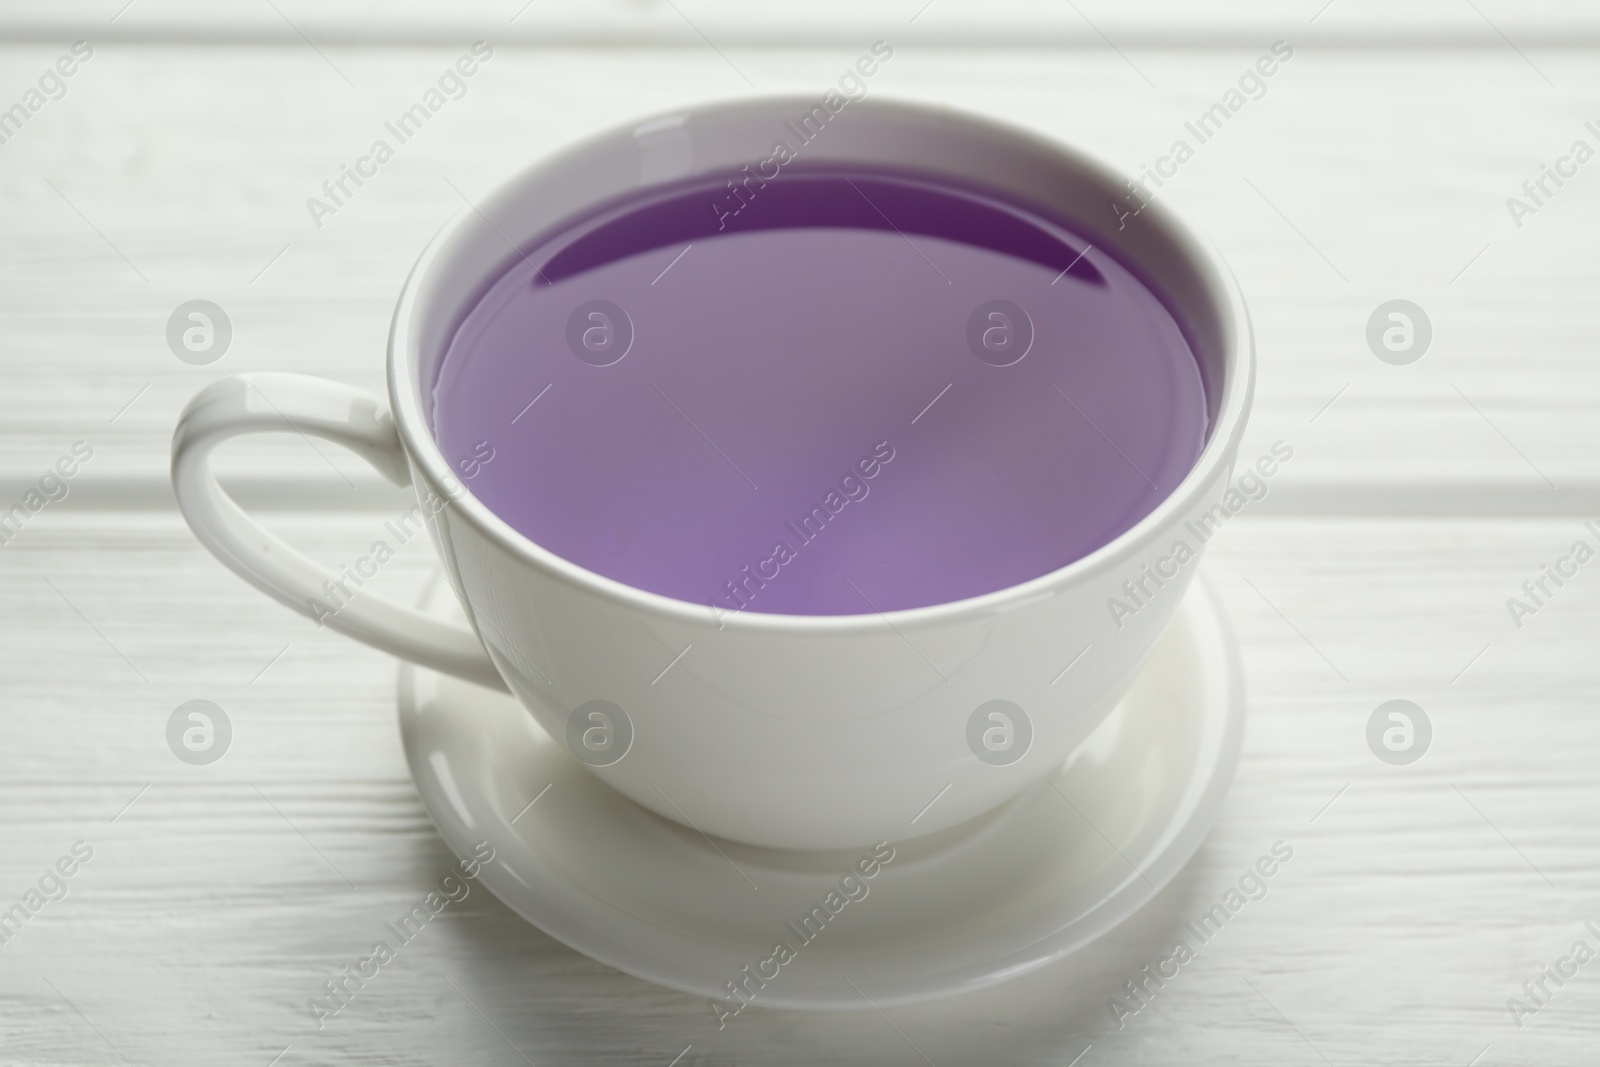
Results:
<point x="965" y="908"/>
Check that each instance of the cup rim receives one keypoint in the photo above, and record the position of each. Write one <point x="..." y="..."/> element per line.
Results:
<point x="1238" y="379"/>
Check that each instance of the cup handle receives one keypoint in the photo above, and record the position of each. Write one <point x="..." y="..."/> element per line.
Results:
<point x="312" y="407"/>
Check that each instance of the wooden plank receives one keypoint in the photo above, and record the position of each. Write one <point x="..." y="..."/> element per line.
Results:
<point x="691" y="23"/>
<point x="212" y="911"/>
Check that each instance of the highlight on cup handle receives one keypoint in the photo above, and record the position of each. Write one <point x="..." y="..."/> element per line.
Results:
<point x="360" y="421"/>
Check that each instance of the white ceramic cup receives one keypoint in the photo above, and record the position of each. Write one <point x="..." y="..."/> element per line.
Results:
<point x="788" y="731"/>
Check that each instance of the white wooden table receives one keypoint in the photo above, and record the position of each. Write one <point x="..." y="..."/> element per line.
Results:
<point x="1420" y="497"/>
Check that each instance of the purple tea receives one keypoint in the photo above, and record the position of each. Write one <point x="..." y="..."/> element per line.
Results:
<point x="837" y="392"/>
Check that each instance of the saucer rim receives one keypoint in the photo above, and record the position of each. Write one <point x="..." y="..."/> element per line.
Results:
<point x="647" y="953"/>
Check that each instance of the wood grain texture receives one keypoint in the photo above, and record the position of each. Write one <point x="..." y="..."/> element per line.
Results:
<point x="1377" y="166"/>
<point x="224" y="897"/>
